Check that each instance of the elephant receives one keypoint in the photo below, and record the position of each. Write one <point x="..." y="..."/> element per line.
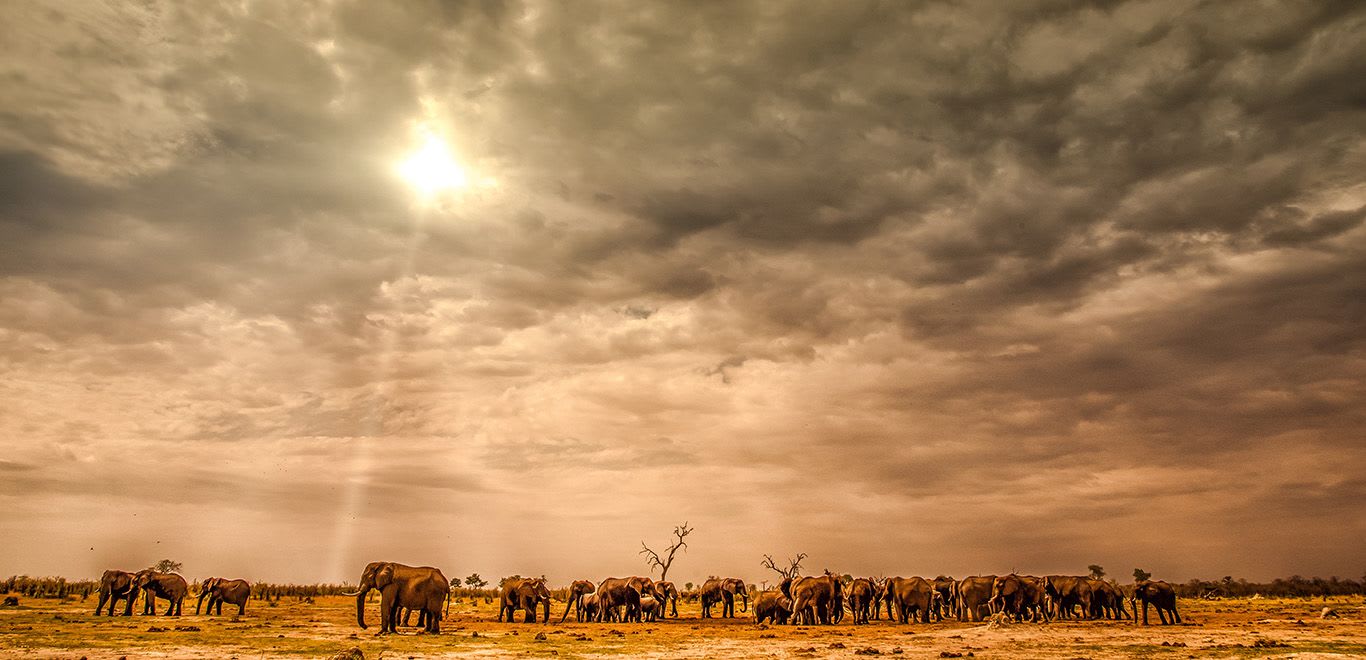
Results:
<point x="113" y="586"/>
<point x="772" y="606"/>
<point x="669" y="594"/>
<point x="617" y="593"/>
<point x="909" y="596"/>
<point x="647" y="588"/>
<point x="1160" y="595"/>
<point x="1106" y="600"/>
<point x="155" y="584"/>
<point x="815" y="599"/>
<point x="724" y="590"/>
<point x="218" y="590"/>
<point x="1018" y="596"/>
<point x="860" y="599"/>
<point x="577" y="591"/>
<point x="1068" y="592"/>
<point x="523" y="594"/>
<point x="421" y="588"/>
<point x="947" y="588"/>
<point x="592" y="607"/>
<point x="973" y="595"/>
<point x="651" y="608"/>
<point x="879" y="595"/>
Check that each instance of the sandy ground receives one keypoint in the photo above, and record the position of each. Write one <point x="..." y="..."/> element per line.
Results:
<point x="1213" y="629"/>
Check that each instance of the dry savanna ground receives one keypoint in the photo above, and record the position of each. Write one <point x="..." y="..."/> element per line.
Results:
<point x="40" y="628"/>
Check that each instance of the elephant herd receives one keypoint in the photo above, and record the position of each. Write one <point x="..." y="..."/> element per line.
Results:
<point x="118" y="585"/>
<point x="806" y="600"/>
<point x="824" y="599"/>
<point x="624" y="599"/>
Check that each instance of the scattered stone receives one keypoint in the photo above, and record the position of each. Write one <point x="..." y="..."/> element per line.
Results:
<point x="768" y="636"/>
<point x="1327" y="613"/>
<point x="1269" y="644"/>
<point x="354" y="653"/>
<point x="540" y="637"/>
<point x="13" y="601"/>
<point x="950" y="654"/>
<point x="868" y="651"/>
<point x="474" y="634"/>
<point x="837" y="645"/>
<point x="156" y="629"/>
<point x="189" y="628"/>
<point x="897" y="651"/>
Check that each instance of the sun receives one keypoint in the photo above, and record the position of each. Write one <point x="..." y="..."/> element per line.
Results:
<point x="432" y="169"/>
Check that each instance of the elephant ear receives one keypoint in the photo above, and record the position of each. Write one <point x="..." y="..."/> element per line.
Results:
<point x="384" y="575"/>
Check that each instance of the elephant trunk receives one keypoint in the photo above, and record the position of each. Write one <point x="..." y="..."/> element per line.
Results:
<point x="572" y="601"/>
<point x="744" y="600"/>
<point x="197" y="605"/>
<point x="360" y="608"/>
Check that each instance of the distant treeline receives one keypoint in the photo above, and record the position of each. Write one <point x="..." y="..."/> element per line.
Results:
<point x="1294" y="586"/>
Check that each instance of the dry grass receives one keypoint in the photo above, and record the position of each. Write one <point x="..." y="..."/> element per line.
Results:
<point x="1224" y="629"/>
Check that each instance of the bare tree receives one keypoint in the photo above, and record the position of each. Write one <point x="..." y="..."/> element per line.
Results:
<point x="794" y="565"/>
<point x="663" y="564"/>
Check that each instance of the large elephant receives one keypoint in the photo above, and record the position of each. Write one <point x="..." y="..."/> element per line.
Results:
<point x="947" y="588"/>
<point x="648" y="588"/>
<point x="420" y="588"/>
<point x="524" y="594"/>
<point x="815" y="599"/>
<point x="220" y="590"/>
<point x="669" y="593"/>
<point x="772" y="606"/>
<point x="724" y="590"/>
<point x="577" y="592"/>
<point x="909" y="597"/>
<point x="614" y="594"/>
<point x="861" y="592"/>
<point x="1019" y="596"/>
<point x="1160" y="595"/>
<point x="1106" y="600"/>
<point x="1069" y="592"/>
<point x="974" y="594"/>
<point x="156" y="584"/>
<point x="113" y="586"/>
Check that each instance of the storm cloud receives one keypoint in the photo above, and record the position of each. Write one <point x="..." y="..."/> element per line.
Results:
<point x="918" y="288"/>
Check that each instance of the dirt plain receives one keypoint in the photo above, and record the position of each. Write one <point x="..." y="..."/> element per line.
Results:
<point x="1257" y="628"/>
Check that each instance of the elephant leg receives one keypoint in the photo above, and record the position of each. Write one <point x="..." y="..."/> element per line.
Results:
<point x="387" y="610"/>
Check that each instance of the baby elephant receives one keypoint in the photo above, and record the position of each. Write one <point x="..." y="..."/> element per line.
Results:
<point x="772" y="606"/>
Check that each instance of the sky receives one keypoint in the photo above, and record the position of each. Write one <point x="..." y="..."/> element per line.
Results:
<point x="511" y="287"/>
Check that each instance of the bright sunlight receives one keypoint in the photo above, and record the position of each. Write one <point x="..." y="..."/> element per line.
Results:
<point x="432" y="169"/>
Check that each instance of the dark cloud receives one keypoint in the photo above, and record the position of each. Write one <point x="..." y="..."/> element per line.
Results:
<point x="799" y="275"/>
